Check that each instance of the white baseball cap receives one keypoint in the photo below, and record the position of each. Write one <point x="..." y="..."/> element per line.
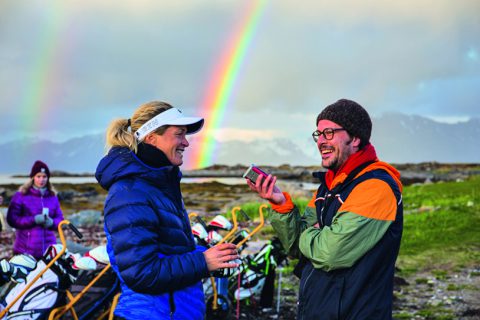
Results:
<point x="172" y="117"/>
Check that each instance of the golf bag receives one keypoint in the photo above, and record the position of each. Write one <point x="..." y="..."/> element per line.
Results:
<point x="257" y="273"/>
<point x="99" y="296"/>
<point x="46" y="293"/>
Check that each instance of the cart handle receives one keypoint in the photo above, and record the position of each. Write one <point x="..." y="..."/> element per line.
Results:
<point x="235" y="226"/>
<point x="260" y="225"/>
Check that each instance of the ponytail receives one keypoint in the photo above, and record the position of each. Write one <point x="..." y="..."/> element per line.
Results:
<point x="120" y="132"/>
<point x="118" y="135"/>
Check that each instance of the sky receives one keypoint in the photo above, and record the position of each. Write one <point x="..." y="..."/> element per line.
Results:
<point x="70" y="67"/>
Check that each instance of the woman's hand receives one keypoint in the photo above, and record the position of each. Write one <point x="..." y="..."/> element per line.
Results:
<point x="220" y="256"/>
<point x="267" y="189"/>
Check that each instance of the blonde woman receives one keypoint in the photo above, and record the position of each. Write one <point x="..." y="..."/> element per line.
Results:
<point x="149" y="239"/>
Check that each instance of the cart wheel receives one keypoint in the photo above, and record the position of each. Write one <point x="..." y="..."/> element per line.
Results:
<point x="223" y="308"/>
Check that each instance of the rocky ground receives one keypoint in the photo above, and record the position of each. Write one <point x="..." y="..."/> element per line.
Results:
<point x="439" y="295"/>
<point x="411" y="172"/>
<point x="422" y="295"/>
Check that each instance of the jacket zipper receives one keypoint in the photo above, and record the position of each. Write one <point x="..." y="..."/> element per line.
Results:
<point x="28" y="240"/>
<point x="171" y="301"/>
<point x="43" y="239"/>
<point x="300" y="298"/>
<point x="327" y="195"/>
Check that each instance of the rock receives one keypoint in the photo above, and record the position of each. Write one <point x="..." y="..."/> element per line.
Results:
<point x="86" y="218"/>
<point x="399" y="281"/>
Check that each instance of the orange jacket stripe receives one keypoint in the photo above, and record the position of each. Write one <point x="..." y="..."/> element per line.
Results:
<point x="311" y="203"/>
<point x="372" y="199"/>
<point x="376" y="165"/>
<point x="384" y="166"/>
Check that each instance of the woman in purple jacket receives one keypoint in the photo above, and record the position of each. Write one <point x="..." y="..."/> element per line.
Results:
<point x="35" y="213"/>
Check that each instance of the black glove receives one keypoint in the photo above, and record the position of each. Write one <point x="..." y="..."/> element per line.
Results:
<point x="48" y="222"/>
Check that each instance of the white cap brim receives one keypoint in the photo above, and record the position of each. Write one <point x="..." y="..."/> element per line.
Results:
<point x="171" y="117"/>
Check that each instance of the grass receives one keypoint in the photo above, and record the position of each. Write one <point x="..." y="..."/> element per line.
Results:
<point x="444" y="236"/>
<point x="436" y="312"/>
<point x="252" y="209"/>
<point x="441" y="226"/>
<point x="441" y="221"/>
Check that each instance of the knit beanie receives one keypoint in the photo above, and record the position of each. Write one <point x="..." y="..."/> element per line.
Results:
<point x="39" y="166"/>
<point x="351" y="116"/>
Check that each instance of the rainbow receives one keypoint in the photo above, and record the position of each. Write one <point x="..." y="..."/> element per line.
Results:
<point x="39" y="92"/>
<point x="223" y="81"/>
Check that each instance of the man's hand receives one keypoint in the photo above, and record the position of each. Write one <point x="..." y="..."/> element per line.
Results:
<point x="267" y="189"/>
<point x="220" y="256"/>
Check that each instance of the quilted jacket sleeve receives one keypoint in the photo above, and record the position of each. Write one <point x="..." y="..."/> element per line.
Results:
<point x="132" y="228"/>
<point x="288" y="223"/>
<point x="16" y="216"/>
<point x="358" y="226"/>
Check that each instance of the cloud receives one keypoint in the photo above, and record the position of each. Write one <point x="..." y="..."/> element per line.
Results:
<point x="107" y="57"/>
<point x="248" y="135"/>
<point x="359" y="54"/>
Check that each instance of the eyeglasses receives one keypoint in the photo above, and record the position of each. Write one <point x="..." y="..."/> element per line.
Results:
<point x="328" y="133"/>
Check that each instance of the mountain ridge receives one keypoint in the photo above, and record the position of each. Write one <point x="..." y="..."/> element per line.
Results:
<point x="397" y="137"/>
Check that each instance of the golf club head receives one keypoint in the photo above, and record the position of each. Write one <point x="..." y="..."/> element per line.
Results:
<point x="99" y="254"/>
<point x="21" y="265"/>
<point x="220" y="222"/>
<point x="85" y="263"/>
<point x="199" y="231"/>
<point x="214" y="237"/>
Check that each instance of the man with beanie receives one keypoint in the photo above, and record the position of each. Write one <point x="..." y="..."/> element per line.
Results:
<point x="349" y="236"/>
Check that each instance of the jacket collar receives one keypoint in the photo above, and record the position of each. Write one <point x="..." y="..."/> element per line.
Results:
<point x="38" y="192"/>
<point x="152" y="156"/>
<point x="121" y="163"/>
<point x="333" y="178"/>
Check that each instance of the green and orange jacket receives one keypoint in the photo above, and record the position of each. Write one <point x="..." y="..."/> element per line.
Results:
<point x="351" y="253"/>
<point x="359" y="223"/>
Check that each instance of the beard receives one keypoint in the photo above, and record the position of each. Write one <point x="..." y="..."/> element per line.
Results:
<point x="339" y="159"/>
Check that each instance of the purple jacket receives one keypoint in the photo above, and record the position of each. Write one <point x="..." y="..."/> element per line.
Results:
<point x="30" y="237"/>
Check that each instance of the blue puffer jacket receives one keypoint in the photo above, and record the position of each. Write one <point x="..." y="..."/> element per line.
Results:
<point x="149" y="240"/>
